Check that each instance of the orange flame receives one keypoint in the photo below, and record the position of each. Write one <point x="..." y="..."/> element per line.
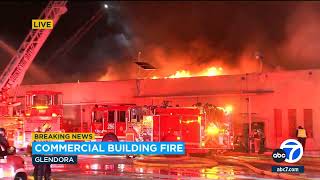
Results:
<point x="211" y="71"/>
<point x="181" y="74"/>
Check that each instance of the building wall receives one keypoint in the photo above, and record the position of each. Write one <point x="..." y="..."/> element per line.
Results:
<point x="294" y="90"/>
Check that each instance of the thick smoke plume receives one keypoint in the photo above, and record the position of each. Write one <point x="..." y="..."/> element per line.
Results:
<point x="302" y="46"/>
<point x="175" y="36"/>
<point x="193" y="36"/>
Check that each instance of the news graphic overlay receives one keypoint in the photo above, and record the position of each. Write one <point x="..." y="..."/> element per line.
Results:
<point x="57" y="137"/>
<point x="291" y="151"/>
<point x="279" y="155"/>
<point x="49" y="136"/>
<point x="42" y="24"/>
<point x="57" y="159"/>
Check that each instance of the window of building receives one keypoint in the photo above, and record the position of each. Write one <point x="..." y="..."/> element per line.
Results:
<point x="111" y="116"/>
<point x="278" y="122"/>
<point x="122" y="116"/>
<point x="57" y="99"/>
<point x="308" y="119"/>
<point x="292" y="122"/>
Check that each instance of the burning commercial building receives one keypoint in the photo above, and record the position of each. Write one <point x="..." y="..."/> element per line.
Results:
<point x="278" y="102"/>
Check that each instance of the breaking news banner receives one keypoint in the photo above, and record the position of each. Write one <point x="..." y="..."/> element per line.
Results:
<point x="51" y="136"/>
<point x="108" y="148"/>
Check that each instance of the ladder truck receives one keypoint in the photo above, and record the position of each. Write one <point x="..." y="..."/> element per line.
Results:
<point x="39" y="106"/>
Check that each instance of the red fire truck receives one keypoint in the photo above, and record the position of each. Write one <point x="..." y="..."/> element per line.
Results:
<point x="113" y="122"/>
<point x="39" y="107"/>
<point x="202" y="129"/>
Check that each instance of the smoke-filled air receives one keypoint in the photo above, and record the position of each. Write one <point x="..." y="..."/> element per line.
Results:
<point x="218" y="38"/>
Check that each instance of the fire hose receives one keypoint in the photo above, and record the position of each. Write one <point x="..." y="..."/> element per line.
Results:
<point x="234" y="161"/>
<point x="175" y="162"/>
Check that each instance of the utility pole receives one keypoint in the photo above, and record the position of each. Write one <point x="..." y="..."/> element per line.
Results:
<point x="249" y="119"/>
<point x="139" y="56"/>
<point x="259" y="57"/>
<point x="81" y="118"/>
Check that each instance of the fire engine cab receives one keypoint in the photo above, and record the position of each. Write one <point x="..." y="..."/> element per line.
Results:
<point x="202" y="129"/>
<point x="115" y="122"/>
<point x="39" y="107"/>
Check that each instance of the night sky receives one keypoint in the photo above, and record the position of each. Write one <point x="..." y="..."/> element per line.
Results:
<point x="171" y="36"/>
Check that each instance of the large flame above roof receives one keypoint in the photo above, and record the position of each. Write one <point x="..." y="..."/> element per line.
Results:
<point x="211" y="71"/>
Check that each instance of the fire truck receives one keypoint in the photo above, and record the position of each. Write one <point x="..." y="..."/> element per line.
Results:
<point x="113" y="122"/>
<point x="39" y="106"/>
<point x="203" y="129"/>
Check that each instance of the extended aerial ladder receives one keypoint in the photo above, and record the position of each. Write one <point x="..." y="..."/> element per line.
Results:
<point x="14" y="73"/>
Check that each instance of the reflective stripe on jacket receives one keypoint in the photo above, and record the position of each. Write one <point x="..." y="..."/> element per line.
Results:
<point x="302" y="133"/>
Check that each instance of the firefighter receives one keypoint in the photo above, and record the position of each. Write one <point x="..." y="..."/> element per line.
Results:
<point x="302" y="136"/>
<point x="4" y="144"/>
<point x="131" y="135"/>
<point x="262" y="140"/>
<point x="256" y="140"/>
<point x="42" y="170"/>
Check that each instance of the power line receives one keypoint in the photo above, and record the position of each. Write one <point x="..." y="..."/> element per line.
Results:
<point x="71" y="42"/>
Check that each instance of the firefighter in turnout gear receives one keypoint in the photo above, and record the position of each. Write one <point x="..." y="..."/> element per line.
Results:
<point x="42" y="171"/>
<point x="4" y="144"/>
<point x="302" y="136"/>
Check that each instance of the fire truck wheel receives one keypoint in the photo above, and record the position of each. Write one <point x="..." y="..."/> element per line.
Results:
<point x="29" y="150"/>
<point x="110" y="138"/>
<point x="21" y="176"/>
<point x="130" y="156"/>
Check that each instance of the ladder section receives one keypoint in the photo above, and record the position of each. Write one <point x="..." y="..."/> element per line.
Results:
<point x="14" y="73"/>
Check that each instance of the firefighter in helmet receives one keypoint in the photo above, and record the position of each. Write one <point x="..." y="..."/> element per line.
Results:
<point x="42" y="170"/>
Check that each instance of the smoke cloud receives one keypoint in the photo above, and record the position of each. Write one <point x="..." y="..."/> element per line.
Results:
<point x="190" y="36"/>
<point x="193" y="36"/>
<point x="302" y="46"/>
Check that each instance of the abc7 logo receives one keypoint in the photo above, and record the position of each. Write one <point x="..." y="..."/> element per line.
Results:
<point x="278" y="155"/>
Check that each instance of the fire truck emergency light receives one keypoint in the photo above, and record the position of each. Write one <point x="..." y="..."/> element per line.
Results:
<point x="212" y="129"/>
<point x="228" y="109"/>
<point x="41" y="107"/>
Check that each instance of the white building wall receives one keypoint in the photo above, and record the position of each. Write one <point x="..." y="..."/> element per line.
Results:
<point x="288" y="90"/>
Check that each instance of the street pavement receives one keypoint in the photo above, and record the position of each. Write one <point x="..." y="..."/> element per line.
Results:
<point x="118" y="167"/>
<point x="265" y="162"/>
